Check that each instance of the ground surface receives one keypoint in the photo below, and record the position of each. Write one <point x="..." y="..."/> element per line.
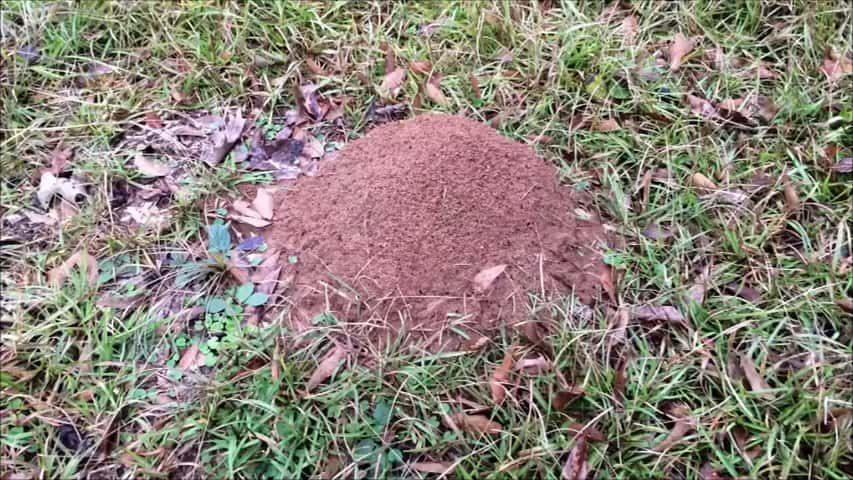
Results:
<point x="714" y="138"/>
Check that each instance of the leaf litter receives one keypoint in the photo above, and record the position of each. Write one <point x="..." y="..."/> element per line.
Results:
<point x="501" y="376"/>
<point x="326" y="368"/>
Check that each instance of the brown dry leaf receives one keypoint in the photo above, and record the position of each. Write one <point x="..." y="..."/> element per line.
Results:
<point x="253" y="221"/>
<point x="564" y="397"/>
<point x="314" y="67"/>
<point x="439" y="468"/>
<point x="326" y="368"/>
<point x="432" y="88"/>
<point x="845" y="304"/>
<point x="59" y="159"/>
<point x="756" y="381"/>
<point x="578" y="121"/>
<point x="654" y="313"/>
<point x="606" y="125"/>
<point x="267" y="266"/>
<point x="392" y="82"/>
<point x="681" y="46"/>
<point x="152" y="120"/>
<point x="792" y="199"/>
<point x="112" y="301"/>
<point x="683" y="426"/>
<point x="533" y="366"/>
<point x="607" y="283"/>
<point x="845" y="165"/>
<point x="224" y="139"/>
<point x="702" y="182"/>
<point x="617" y="325"/>
<point x="242" y="207"/>
<point x="263" y="203"/>
<point x="150" y="168"/>
<point x="82" y="259"/>
<point x="420" y="66"/>
<point x="484" y="279"/>
<point x="192" y="358"/>
<point x="576" y="466"/>
<point x="702" y="107"/>
<point x="505" y="56"/>
<point x="475" y="86"/>
<point x="591" y="433"/>
<point x="707" y="472"/>
<point x="479" y="424"/>
<point x="313" y="147"/>
<point x="177" y="95"/>
<point x="835" y="67"/>
<point x="629" y="29"/>
<point x="390" y="58"/>
<point x="239" y="272"/>
<point x="501" y="376"/>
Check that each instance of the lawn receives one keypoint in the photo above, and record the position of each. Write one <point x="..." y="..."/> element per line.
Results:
<point x="714" y="138"/>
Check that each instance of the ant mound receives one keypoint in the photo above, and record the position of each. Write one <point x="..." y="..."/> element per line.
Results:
<point x="432" y="225"/>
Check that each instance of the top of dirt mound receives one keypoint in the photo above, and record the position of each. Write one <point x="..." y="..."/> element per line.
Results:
<point x="408" y="215"/>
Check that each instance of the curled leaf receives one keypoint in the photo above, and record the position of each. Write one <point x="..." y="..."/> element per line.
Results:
<point x="665" y="313"/>
<point x="683" y="426"/>
<point x="192" y="358"/>
<point x="478" y="424"/>
<point x="702" y="182"/>
<point x="420" y="66"/>
<point x="82" y="259"/>
<point x="755" y="380"/>
<point x="150" y="168"/>
<point x="432" y="88"/>
<point x="392" y="82"/>
<point x="224" y="139"/>
<point x="576" y="467"/>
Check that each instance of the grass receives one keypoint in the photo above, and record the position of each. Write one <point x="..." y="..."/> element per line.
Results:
<point x="94" y="391"/>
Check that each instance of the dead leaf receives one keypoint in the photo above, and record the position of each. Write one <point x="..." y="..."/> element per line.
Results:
<point x="845" y="165"/>
<point x="702" y="182"/>
<point x="654" y="231"/>
<point x="606" y="125"/>
<point x="576" y="466"/>
<point x="242" y="207"/>
<point x="756" y="381"/>
<point x="617" y="325"/>
<point x="792" y="199"/>
<point x="683" y="426"/>
<point x="702" y="107"/>
<point x="150" y="168"/>
<point x="745" y="292"/>
<point x="653" y="313"/>
<point x="253" y="221"/>
<point x="192" y="358"/>
<point x="501" y="376"/>
<point x="578" y="121"/>
<point x="177" y="95"/>
<point x="152" y="120"/>
<point x="484" y="279"/>
<point x="82" y="259"/>
<point x="681" y="46"/>
<point x="59" y="159"/>
<point x="309" y="102"/>
<point x="607" y="283"/>
<point x="478" y="424"/>
<point x="591" y="433"/>
<point x="475" y="86"/>
<point x="392" y="82"/>
<point x="313" y="147"/>
<point x="750" y="108"/>
<point x="629" y="29"/>
<point x="314" y="67"/>
<point x="707" y="472"/>
<point x="326" y="368"/>
<point x="533" y="366"/>
<point x="845" y="304"/>
<point x="112" y="301"/>
<point x="420" y="66"/>
<point x="564" y="397"/>
<point x="835" y="67"/>
<point x="239" y="272"/>
<point x="223" y="140"/>
<point x="263" y="203"/>
<point x="432" y="88"/>
<point x="390" y="59"/>
<point x="439" y="468"/>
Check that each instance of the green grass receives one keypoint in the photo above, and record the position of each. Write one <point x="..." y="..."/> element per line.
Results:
<point x="110" y="374"/>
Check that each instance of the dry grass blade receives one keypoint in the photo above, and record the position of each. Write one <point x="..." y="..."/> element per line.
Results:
<point x="486" y="277"/>
<point x="501" y="376"/>
<point x="326" y="368"/>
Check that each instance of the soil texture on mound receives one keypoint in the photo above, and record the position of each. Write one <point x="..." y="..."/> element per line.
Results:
<point x="394" y="232"/>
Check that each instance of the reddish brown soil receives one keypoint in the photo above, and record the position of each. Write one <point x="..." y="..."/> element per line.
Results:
<point x="403" y="220"/>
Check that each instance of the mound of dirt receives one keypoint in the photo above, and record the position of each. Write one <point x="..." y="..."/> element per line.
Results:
<point x="395" y="230"/>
